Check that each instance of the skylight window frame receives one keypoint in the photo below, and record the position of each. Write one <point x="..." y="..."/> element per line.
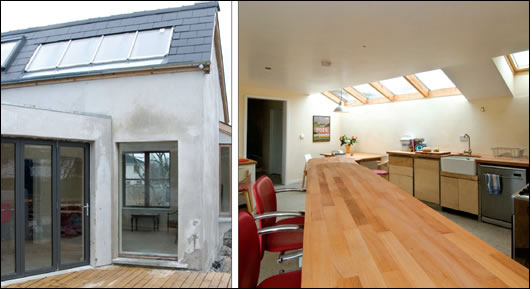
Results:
<point x="513" y="66"/>
<point x="92" y="62"/>
<point x="20" y="40"/>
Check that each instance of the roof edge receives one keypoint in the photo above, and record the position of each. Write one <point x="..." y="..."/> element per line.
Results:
<point x="114" y="17"/>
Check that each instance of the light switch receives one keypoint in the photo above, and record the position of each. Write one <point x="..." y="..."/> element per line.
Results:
<point x="301" y="136"/>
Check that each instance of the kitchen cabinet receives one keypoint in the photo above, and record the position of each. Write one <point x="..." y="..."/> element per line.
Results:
<point x="459" y="192"/>
<point x="400" y="170"/>
<point x="427" y="180"/>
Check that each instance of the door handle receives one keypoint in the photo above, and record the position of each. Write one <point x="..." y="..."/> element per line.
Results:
<point x="87" y="208"/>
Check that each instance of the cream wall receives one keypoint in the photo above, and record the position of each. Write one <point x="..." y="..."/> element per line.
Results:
<point x="300" y="111"/>
<point x="379" y="127"/>
<point x="441" y="121"/>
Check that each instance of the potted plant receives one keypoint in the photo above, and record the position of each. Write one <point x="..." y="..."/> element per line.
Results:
<point x="348" y="142"/>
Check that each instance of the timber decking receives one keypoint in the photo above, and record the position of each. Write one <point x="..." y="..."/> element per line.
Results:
<point x="130" y="277"/>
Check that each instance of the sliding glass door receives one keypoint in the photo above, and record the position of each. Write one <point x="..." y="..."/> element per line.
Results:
<point x="44" y="206"/>
<point x="8" y="213"/>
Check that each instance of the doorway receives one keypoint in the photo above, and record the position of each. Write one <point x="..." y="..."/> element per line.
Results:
<point x="265" y="140"/>
<point x="45" y="211"/>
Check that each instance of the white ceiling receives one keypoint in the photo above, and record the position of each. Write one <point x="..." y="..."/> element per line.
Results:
<point x="400" y="38"/>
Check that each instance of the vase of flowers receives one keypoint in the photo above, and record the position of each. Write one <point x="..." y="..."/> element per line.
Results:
<point x="348" y="142"/>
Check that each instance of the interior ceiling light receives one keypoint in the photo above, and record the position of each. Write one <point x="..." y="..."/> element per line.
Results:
<point x="340" y="108"/>
<point x="325" y="63"/>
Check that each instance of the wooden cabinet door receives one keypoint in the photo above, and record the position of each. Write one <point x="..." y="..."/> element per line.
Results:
<point x="427" y="180"/>
<point x="403" y="182"/>
<point x="449" y="192"/>
<point x="468" y="196"/>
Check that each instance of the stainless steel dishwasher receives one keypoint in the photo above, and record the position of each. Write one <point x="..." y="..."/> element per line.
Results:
<point x="497" y="209"/>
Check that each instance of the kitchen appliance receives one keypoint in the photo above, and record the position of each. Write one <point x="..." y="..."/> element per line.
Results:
<point x="405" y="144"/>
<point x="497" y="208"/>
<point x="520" y="243"/>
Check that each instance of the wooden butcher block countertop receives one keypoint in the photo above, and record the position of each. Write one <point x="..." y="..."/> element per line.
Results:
<point x="363" y="231"/>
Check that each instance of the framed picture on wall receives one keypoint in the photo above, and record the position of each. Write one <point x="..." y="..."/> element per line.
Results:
<point x="321" y="128"/>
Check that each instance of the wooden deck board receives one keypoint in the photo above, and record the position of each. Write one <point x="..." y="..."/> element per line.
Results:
<point x="129" y="277"/>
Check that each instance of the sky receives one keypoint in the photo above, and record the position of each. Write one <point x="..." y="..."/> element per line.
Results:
<point x="25" y="14"/>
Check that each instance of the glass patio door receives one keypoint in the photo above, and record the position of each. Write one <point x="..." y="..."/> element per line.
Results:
<point x="44" y="206"/>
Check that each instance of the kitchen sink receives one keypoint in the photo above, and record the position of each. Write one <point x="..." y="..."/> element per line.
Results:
<point x="459" y="165"/>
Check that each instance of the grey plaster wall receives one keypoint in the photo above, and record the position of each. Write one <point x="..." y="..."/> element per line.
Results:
<point x="180" y="107"/>
<point x="31" y="122"/>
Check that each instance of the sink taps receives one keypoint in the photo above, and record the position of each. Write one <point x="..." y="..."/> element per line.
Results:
<point x="468" y="151"/>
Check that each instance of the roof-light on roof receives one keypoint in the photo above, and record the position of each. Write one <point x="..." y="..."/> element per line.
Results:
<point x="7" y="48"/>
<point x="104" y="52"/>
<point x="398" y="86"/>
<point x="368" y="91"/>
<point x="435" y="79"/>
<point x="520" y="59"/>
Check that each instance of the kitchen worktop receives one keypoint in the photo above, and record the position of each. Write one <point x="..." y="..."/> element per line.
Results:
<point x="363" y="231"/>
<point x="418" y="154"/>
<point x="482" y="159"/>
<point x="360" y="157"/>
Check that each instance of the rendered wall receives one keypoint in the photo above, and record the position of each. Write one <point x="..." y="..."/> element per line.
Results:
<point x="178" y="107"/>
<point x="30" y="122"/>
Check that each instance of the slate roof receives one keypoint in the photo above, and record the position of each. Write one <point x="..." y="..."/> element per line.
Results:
<point x="191" y="42"/>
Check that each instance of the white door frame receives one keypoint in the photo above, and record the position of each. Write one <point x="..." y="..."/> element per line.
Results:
<point x="284" y="126"/>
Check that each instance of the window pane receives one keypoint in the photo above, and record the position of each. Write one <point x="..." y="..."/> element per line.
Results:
<point x="80" y="51"/>
<point x="38" y="206"/>
<point x="151" y="43"/>
<point x="225" y="180"/>
<point x="115" y="47"/>
<point x="71" y="191"/>
<point x="368" y="91"/>
<point x="520" y="59"/>
<point x="8" y="207"/>
<point x="346" y="97"/>
<point x="435" y="79"/>
<point x="159" y="165"/>
<point x="134" y="166"/>
<point x="48" y="56"/>
<point x="135" y="193"/>
<point x="398" y="86"/>
<point x="6" y="50"/>
<point x="159" y="193"/>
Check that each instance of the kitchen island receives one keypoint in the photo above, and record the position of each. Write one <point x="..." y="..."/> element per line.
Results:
<point x="363" y="231"/>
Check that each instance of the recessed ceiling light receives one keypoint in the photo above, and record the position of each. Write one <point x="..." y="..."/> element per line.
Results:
<point x="325" y="63"/>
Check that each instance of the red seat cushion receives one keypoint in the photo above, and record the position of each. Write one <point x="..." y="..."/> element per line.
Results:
<point x="291" y="221"/>
<point x="285" y="280"/>
<point x="242" y="187"/>
<point x="285" y="241"/>
<point x="380" y="172"/>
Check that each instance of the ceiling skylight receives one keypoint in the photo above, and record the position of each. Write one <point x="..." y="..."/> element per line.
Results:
<point x="520" y="59"/>
<point x="346" y="97"/>
<point x="398" y="86"/>
<point x="435" y="79"/>
<point x="368" y="91"/>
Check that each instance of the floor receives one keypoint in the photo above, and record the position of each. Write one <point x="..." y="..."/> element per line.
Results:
<point x="498" y="237"/>
<point x="130" y="277"/>
<point x="142" y="242"/>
